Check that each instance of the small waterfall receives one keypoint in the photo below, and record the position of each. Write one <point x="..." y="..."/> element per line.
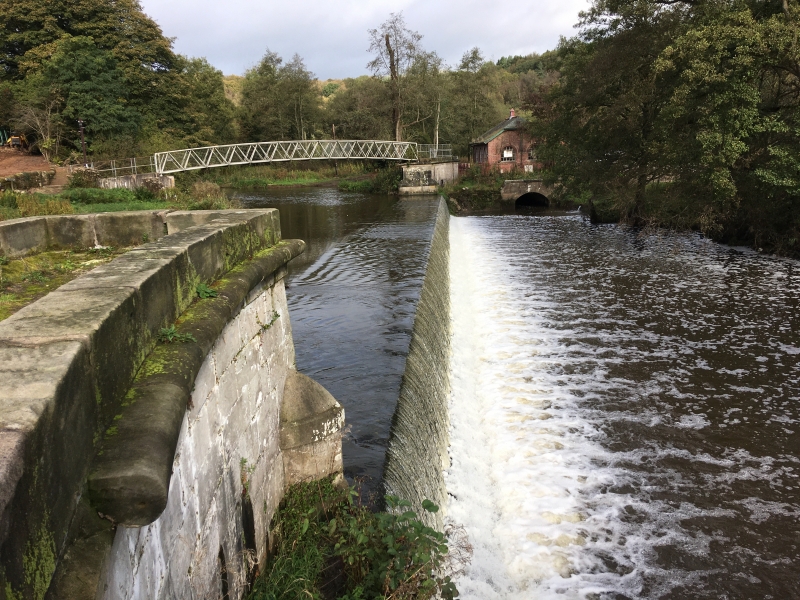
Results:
<point x="418" y="442"/>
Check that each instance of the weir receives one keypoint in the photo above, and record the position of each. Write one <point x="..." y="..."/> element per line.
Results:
<point x="417" y="451"/>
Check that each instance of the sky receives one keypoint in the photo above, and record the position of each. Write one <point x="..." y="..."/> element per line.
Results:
<point x="332" y="39"/>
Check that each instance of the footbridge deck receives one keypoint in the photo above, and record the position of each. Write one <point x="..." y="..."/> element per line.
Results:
<point x="189" y="159"/>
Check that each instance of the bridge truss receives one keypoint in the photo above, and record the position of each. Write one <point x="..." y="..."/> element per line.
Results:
<point x="267" y="152"/>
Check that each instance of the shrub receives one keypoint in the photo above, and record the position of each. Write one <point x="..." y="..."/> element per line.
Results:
<point x="98" y="196"/>
<point x="203" y="190"/>
<point x="30" y="206"/>
<point x="84" y="177"/>
<point x="328" y="545"/>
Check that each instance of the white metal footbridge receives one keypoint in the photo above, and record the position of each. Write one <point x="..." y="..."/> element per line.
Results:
<point x="190" y="159"/>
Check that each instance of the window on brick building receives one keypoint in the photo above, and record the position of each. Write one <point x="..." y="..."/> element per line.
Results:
<point x="508" y="154"/>
<point x="532" y="152"/>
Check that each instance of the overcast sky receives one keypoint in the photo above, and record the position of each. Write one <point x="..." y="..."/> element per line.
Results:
<point x="331" y="36"/>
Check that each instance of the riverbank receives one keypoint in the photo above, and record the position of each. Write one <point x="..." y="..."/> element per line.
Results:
<point x="770" y="228"/>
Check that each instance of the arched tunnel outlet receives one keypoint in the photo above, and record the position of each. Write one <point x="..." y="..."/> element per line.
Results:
<point x="525" y="193"/>
<point x="532" y="200"/>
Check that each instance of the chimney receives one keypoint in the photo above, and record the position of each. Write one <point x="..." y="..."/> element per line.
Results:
<point x="513" y="114"/>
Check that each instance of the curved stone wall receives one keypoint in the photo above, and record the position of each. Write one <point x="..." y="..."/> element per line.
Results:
<point x="133" y="468"/>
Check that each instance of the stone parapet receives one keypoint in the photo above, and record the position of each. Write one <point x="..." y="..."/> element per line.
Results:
<point x="68" y="362"/>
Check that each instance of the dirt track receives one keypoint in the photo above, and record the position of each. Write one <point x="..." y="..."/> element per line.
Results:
<point x="13" y="162"/>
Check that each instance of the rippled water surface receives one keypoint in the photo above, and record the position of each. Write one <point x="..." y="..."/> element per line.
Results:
<point x="625" y="413"/>
<point x="352" y="298"/>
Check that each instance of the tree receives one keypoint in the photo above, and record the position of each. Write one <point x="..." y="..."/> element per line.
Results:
<point x="299" y="99"/>
<point x="395" y="48"/>
<point x="210" y="112"/>
<point x="476" y="102"/>
<point x="279" y="102"/>
<point x="79" y="81"/>
<point x="258" y="116"/>
<point x="360" y="110"/>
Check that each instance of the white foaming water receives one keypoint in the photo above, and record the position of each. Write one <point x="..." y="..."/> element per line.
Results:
<point x="522" y="457"/>
<point x="623" y="413"/>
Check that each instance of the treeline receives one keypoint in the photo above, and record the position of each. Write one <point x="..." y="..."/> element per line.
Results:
<point x="108" y="64"/>
<point x="681" y="113"/>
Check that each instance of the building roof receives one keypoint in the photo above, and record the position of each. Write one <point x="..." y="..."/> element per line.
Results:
<point x="512" y="123"/>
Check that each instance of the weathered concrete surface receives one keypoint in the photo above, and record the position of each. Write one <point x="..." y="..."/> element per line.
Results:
<point x="132" y="182"/>
<point x="311" y="430"/>
<point x="424" y="178"/>
<point x="131" y="477"/>
<point x="19" y="237"/>
<point x="513" y="189"/>
<point x="66" y="363"/>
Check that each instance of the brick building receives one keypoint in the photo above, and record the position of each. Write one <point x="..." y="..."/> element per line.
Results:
<point x="506" y="145"/>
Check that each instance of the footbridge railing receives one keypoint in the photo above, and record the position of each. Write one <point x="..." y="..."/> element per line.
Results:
<point x="175" y="161"/>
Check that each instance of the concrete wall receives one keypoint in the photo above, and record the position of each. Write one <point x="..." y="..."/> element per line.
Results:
<point x="96" y="416"/>
<point x="132" y="182"/>
<point x="424" y="178"/>
<point x="514" y="188"/>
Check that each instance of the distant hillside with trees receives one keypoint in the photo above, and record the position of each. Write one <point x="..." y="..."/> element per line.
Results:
<point x="107" y="63"/>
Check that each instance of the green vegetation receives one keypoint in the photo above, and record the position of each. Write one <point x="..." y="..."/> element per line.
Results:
<point x="200" y="196"/>
<point x="681" y="114"/>
<point x="24" y="280"/>
<point x="274" y="316"/>
<point x="328" y="546"/>
<point x="108" y="64"/>
<point x="169" y="335"/>
<point x="203" y="291"/>
<point x="676" y="113"/>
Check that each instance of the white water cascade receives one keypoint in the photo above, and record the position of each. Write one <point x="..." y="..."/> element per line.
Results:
<point x="522" y="456"/>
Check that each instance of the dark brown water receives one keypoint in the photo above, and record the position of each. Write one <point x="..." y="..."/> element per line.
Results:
<point x="352" y="298"/>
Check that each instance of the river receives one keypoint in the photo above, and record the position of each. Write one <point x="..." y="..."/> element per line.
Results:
<point x="624" y="408"/>
<point x="625" y="412"/>
<point x="352" y="298"/>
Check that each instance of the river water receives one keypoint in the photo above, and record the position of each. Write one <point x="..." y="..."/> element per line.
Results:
<point x="352" y="297"/>
<point x="625" y="413"/>
<point x="625" y="406"/>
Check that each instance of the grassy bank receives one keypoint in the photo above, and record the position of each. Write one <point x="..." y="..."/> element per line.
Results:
<point x="329" y="546"/>
<point x="347" y="176"/>
<point x="200" y="196"/>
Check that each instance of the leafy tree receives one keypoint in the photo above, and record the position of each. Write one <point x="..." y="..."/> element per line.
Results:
<point x="258" y="117"/>
<point x="395" y="48"/>
<point x="360" y="109"/>
<point x="210" y="112"/>
<point x="475" y="101"/>
<point x="279" y="102"/>
<point x="300" y="99"/>
<point x="79" y="81"/>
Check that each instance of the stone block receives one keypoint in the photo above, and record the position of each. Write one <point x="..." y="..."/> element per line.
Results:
<point x="310" y="430"/>
<point x="70" y="231"/>
<point x="204" y="384"/>
<point x="129" y="228"/>
<point x="313" y="461"/>
<point x="48" y="413"/>
<point x="130" y="480"/>
<point x="309" y="412"/>
<point x="110" y="322"/>
<point x="19" y="237"/>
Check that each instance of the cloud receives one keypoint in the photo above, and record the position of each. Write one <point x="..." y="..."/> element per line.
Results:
<point x="332" y="36"/>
